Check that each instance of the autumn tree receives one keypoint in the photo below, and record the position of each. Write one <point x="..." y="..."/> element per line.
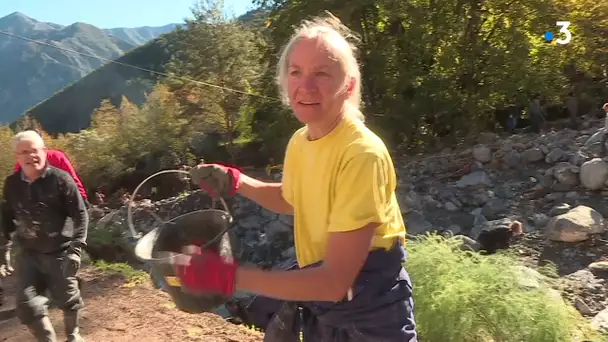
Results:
<point x="223" y="57"/>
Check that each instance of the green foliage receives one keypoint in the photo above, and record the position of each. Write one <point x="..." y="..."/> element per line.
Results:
<point x="104" y="236"/>
<point x="432" y="69"/>
<point x="132" y="276"/>
<point x="119" y="138"/>
<point x="7" y="155"/>
<point x="222" y="51"/>
<point x="463" y="296"/>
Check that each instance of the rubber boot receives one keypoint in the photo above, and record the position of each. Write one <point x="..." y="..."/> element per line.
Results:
<point x="71" y="321"/>
<point x="42" y="329"/>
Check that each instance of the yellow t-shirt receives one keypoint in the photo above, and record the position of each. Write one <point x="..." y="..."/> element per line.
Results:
<point x="340" y="183"/>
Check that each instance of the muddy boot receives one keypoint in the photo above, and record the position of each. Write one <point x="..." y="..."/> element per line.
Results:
<point x="43" y="331"/>
<point x="71" y="320"/>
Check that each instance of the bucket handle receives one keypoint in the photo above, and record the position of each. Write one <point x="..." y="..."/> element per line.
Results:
<point x="137" y="235"/>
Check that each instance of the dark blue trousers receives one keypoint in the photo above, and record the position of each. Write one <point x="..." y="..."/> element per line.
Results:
<point x="382" y="308"/>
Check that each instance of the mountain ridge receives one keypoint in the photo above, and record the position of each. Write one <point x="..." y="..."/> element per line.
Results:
<point x="70" y="109"/>
<point x="32" y="72"/>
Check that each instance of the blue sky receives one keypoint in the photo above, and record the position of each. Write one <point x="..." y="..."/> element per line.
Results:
<point x="111" y="13"/>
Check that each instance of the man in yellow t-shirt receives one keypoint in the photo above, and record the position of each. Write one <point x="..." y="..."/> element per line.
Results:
<point x="339" y="183"/>
<point x="343" y="182"/>
<point x="358" y="175"/>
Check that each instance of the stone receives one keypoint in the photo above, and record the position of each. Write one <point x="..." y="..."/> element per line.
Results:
<point x="476" y="197"/>
<point x="576" y="225"/>
<point x="466" y="243"/>
<point x="506" y="146"/>
<point x="546" y="181"/>
<point x="532" y="155"/>
<point x="451" y="206"/>
<point x="578" y="158"/>
<point x="554" y="196"/>
<point x="560" y="209"/>
<point x="416" y="224"/>
<point x="477" y="178"/>
<point x="540" y="220"/>
<point x="600" y="321"/>
<point x="410" y="201"/>
<point x="595" y="138"/>
<point x="582" y="307"/>
<point x="600" y="267"/>
<point x="482" y="153"/>
<point x="453" y="229"/>
<point x="512" y="159"/>
<point x="544" y="149"/>
<point x="476" y="211"/>
<point x="563" y="173"/>
<point x="556" y="155"/>
<point x="494" y="207"/>
<point x="594" y="174"/>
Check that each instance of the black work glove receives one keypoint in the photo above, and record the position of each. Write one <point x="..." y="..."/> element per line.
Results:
<point x="70" y="264"/>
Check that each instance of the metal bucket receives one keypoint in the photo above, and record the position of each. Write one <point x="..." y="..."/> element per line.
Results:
<point x="210" y="226"/>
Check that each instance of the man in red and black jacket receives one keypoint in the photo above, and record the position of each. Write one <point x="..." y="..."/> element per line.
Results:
<point x="61" y="161"/>
<point x="43" y="210"/>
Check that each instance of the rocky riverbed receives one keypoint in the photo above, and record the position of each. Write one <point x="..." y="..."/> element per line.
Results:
<point x="555" y="183"/>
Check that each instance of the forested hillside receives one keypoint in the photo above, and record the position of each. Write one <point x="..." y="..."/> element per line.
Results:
<point x="31" y="70"/>
<point x="70" y="109"/>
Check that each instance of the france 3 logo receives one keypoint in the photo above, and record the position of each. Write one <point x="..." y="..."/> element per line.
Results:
<point x="549" y="36"/>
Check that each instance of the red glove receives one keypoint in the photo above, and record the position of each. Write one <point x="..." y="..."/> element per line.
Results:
<point x="207" y="272"/>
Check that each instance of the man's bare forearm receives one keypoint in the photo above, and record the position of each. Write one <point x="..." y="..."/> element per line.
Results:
<point x="268" y="195"/>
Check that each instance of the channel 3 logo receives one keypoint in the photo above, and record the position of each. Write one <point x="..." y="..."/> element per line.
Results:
<point x="564" y="29"/>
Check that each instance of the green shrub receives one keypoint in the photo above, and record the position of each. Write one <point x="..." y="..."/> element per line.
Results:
<point x="132" y="276"/>
<point x="467" y="297"/>
<point x="105" y="236"/>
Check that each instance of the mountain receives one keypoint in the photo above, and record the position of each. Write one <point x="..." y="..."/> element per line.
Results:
<point x="70" y="109"/>
<point x="31" y="72"/>
<point x="140" y="35"/>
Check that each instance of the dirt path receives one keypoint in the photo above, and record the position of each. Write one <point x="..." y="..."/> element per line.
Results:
<point x="117" y="312"/>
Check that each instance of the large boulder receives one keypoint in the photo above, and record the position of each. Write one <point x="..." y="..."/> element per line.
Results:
<point x="576" y="225"/>
<point x="594" y="173"/>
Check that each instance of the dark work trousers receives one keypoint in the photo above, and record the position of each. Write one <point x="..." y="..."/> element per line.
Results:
<point x="381" y="310"/>
<point x="37" y="273"/>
